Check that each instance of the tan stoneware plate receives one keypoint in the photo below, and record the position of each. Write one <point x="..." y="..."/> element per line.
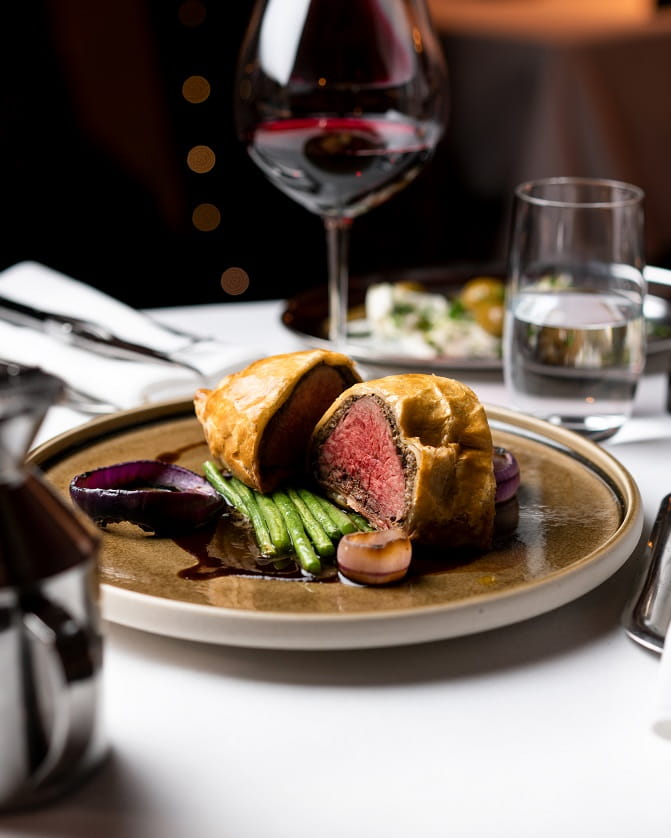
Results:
<point x="580" y="518"/>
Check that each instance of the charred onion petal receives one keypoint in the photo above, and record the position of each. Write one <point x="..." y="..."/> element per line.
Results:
<point x="158" y="497"/>
<point x="374" y="558"/>
<point x="506" y="473"/>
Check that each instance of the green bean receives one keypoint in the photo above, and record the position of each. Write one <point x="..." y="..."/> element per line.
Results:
<point x="276" y="527"/>
<point x="313" y="528"/>
<point x="339" y="517"/>
<point x="361" y="522"/>
<point x="283" y="563"/>
<point x="305" y="553"/>
<point x="224" y="487"/>
<point x="242" y="498"/>
<point x="256" y="517"/>
<point x="318" y="511"/>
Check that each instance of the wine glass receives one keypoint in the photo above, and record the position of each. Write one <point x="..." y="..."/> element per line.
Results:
<point x="340" y="104"/>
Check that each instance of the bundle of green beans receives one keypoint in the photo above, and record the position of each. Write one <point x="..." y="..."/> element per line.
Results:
<point x="291" y="520"/>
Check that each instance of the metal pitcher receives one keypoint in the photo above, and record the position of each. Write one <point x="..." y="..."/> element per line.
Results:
<point x="50" y="640"/>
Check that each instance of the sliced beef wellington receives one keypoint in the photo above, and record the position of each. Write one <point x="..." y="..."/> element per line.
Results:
<point x="411" y="451"/>
<point x="258" y="421"/>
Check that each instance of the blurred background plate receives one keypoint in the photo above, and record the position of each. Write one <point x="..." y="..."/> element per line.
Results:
<point x="306" y="316"/>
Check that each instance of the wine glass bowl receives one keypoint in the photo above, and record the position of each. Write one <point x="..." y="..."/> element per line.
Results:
<point x="340" y="105"/>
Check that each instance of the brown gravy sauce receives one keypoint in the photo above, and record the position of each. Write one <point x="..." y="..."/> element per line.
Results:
<point x="173" y="456"/>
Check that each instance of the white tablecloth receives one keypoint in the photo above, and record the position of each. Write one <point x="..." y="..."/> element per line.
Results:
<point x="538" y="729"/>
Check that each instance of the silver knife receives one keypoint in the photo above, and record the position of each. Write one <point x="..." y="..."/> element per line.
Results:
<point x="647" y="616"/>
<point x="85" y="333"/>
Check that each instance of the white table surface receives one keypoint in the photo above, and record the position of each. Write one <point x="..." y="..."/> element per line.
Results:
<point x="541" y="728"/>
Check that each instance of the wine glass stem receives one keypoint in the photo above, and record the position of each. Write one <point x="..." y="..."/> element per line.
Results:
<point x="337" y="244"/>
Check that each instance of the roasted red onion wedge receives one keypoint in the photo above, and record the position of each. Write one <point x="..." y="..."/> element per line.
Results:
<point x="158" y="497"/>
<point x="506" y="473"/>
<point x="374" y="558"/>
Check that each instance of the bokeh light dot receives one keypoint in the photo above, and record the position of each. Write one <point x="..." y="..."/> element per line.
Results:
<point x="235" y="281"/>
<point x="196" y="89"/>
<point x="206" y="217"/>
<point x="201" y="159"/>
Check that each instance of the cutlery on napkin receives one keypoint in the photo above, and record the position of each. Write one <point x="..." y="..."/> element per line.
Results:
<point x="647" y="617"/>
<point x="102" y="347"/>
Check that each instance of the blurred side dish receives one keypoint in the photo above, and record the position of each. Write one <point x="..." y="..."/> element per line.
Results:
<point x="407" y="318"/>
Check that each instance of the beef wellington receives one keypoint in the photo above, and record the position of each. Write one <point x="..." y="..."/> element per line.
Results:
<point x="411" y="451"/>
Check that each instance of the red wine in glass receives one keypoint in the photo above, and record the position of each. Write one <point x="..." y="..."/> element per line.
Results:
<point x="340" y="104"/>
<point x="341" y="166"/>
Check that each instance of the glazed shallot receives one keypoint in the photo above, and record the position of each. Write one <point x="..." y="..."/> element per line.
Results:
<point x="374" y="558"/>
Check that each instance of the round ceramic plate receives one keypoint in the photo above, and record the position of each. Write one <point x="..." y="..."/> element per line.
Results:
<point x="580" y="518"/>
<point x="306" y="316"/>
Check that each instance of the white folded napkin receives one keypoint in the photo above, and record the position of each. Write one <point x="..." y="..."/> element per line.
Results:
<point x="123" y="383"/>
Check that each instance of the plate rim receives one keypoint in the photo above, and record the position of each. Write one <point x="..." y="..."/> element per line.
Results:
<point x="208" y="623"/>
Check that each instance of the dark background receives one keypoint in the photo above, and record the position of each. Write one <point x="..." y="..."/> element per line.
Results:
<point x="94" y="138"/>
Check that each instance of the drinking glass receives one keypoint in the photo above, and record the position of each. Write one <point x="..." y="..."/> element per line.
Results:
<point x="574" y="332"/>
<point x="340" y="104"/>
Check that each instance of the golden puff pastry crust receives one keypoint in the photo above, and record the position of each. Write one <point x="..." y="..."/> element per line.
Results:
<point x="258" y="421"/>
<point x="411" y="451"/>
